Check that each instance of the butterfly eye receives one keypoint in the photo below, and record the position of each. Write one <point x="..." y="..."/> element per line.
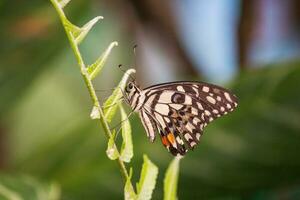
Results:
<point x="129" y="87"/>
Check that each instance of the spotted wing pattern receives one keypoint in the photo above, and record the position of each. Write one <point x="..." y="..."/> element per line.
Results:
<point x="180" y="110"/>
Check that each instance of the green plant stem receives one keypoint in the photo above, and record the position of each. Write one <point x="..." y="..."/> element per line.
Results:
<point x="88" y="83"/>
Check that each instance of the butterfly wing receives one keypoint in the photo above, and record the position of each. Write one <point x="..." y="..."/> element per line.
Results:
<point x="215" y="96"/>
<point x="149" y="124"/>
<point x="181" y="110"/>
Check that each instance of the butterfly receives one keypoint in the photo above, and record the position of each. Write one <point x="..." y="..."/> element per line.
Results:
<point x="179" y="111"/>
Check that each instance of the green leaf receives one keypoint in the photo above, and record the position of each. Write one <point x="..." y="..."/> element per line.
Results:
<point x="80" y="33"/>
<point x="79" y="36"/>
<point x="96" y="67"/>
<point x="75" y="30"/>
<point x="171" y="180"/>
<point x="111" y="150"/>
<point x="147" y="181"/>
<point x="111" y="104"/>
<point x="127" y="147"/>
<point x="24" y="187"/>
<point x="129" y="193"/>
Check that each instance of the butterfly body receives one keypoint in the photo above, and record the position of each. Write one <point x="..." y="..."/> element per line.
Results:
<point x="179" y="111"/>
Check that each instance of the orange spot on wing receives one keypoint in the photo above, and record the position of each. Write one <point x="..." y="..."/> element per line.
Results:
<point x="164" y="140"/>
<point x="171" y="138"/>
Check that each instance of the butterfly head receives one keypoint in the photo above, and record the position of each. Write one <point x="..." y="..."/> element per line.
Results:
<point x="132" y="93"/>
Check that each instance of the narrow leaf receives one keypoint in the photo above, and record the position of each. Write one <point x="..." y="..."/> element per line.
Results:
<point x="96" y="67"/>
<point x="147" y="181"/>
<point x="79" y="36"/>
<point x="111" y="150"/>
<point x="171" y="180"/>
<point x="95" y="113"/>
<point x="111" y="104"/>
<point x="129" y="193"/>
<point x="75" y="30"/>
<point x="63" y="3"/>
<point x="127" y="147"/>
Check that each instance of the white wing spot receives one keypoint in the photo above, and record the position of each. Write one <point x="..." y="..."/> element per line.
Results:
<point x="235" y="104"/>
<point x="160" y="119"/>
<point x="179" y="140"/>
<point x="190" y="127"/>
<point x="193" y="144"/>
<point x="207" y="112"/>
<point x="187" y="136"/>
<point x="180" y="88"/>
<point x="211" y="94"/>
<point x="162" y="108"/>
<point x="174" y="145"/>
<point x="188" y="100"/>
<point x="219" y="98"/>
<point x="167" y="119"/>
<point x="176" y="106"/>
<point x="196" y="120"/>
<point x="215" y="111"/>
<point x="165" y="97"/>
<point x="222" y="109"/>
<point x="211" y="100"/>
<point x="228" y="106"/>
<point x="194" y="111"/>
<point x="200" y="106"/>
<point x="195" y="88"/>
<point x="201" y="127"/>
<point x="227" y="96"/>
<point x="198" y="136"/>
<point x="205" y="89"/>
<point x="210" y="119"/>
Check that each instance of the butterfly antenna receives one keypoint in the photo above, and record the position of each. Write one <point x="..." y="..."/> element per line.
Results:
<point x="134" y="53"/>
<point x="106" y="90"/>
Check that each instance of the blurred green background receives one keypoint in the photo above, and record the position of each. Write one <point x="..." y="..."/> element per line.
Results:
<point x="49" y="145"/>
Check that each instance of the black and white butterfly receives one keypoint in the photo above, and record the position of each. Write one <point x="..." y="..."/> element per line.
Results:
<point x="179" y="111"/>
